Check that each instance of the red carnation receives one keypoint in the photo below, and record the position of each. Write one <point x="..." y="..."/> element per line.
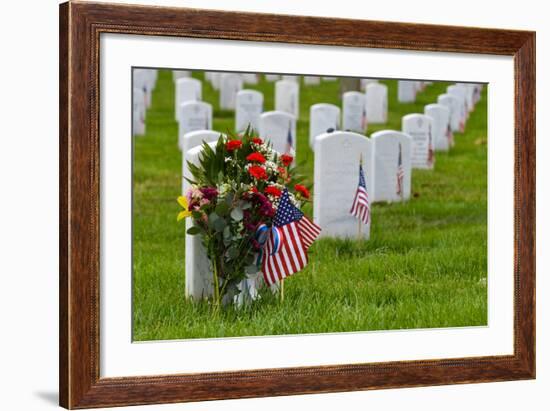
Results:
<point x="286" y="159"/>
<point x="233" y="145"/>
<point x="256" y="157"/>
<point x="302" y="190"/>
<point x="257" y="140"/>
<point x="272" y="190"/>
<point x="257" y="172"/>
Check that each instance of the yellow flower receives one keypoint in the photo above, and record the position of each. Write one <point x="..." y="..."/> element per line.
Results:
<point x="182" y="201"/>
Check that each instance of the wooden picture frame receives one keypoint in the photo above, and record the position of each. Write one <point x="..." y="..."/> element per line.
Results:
<point x="80" y="27"/>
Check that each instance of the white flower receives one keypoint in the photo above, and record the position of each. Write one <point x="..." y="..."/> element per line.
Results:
<point x="223" y="189"/>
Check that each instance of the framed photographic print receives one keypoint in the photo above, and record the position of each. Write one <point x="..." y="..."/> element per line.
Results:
<point x="259" y="205"/>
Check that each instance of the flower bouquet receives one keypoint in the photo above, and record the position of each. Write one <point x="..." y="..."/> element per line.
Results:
<point x="244" y="201"/>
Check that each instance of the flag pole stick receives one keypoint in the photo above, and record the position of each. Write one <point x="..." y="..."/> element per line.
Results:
<point x="359" y="222"/>
<point x="282" y="290"/>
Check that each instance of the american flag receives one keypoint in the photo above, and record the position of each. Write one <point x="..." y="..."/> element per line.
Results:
<point x="430" y="148"/>
<point x="360" y="207"/>
<point x="289" y="146"/>
<point x="400" y="173"/>
<point x="286" y="247"/>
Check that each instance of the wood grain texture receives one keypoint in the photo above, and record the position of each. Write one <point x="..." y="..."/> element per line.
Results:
<point x="80" y="27"/>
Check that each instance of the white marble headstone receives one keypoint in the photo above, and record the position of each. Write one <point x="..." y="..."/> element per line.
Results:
<point x="312" y="80"/>
<point x="420" y="85"/>
<point x="460" y="93"/>
<point x="187" y="89"/>
<point x="250" y="78"/>
<point x="469" y="89"/>
<point x="377" y="103"/>
<point x="230" y="84"/>
<point x="478" y="88"/>
<point x="453" y="104"/>
<point x="406" y="91"/>
<point x="138" y="112"/>
<point x="336" y="178"/>
<point x="354" y="116"/>
<point x="419" y="126"/>
<point x="329" y="78"/>
<point x="177" y="74"/>
<point x="364" y="82"/>
<point x="279" y="128"/>
<point x="287" y="97"/>
<point x="441" y="126"/>
<point x="193" y="115"/>
<point x="322" y="118"/>
<point x="272" y="77"/>
<point x="198" y="270"/>
<point x="392" y="160"/>
<point x="191" y="140"/>
<point x="214" y="78"/>
<point x="142" y="79"/>
<point x="293" y="78"/>
<point x="249" y="106"/>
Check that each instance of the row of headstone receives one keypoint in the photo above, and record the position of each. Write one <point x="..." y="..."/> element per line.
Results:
<point x="388" y="158"/>
<point x="358" y="109"/>
<point x="229" y="84"/>
<point x="143" y="84"/>
<point x="214" y="78"/>
<point x="460" y="99"/>
<point x="386" y="164"/>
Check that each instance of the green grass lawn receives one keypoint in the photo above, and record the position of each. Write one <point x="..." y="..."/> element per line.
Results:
<point x="424" y="266"/>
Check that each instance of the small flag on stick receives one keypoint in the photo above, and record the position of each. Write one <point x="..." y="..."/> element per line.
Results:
<point x="360" y="207"/>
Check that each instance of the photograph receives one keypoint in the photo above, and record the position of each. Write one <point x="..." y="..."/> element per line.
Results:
<point x="270" y="204"/>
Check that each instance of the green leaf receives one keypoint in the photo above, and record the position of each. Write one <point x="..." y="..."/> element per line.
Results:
<point x="237" y="214"/>
<point x="245" y="205"/>
<point x="212" y="218"/>
<point x="232" y="252"/>
<point x="194" y="230"/>
<point x="196" y="214"/>
<point x="229" y="198"/>
<point x="227" y="233"/>
<point x="219" y="225"/>
<point x="222" y="208"/>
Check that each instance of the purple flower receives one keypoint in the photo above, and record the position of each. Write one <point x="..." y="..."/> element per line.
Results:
<point x="209" y="192"/>
<point x="265" y="209"/>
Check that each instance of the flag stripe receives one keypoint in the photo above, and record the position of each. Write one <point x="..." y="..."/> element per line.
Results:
<point x="296" y="234"/>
